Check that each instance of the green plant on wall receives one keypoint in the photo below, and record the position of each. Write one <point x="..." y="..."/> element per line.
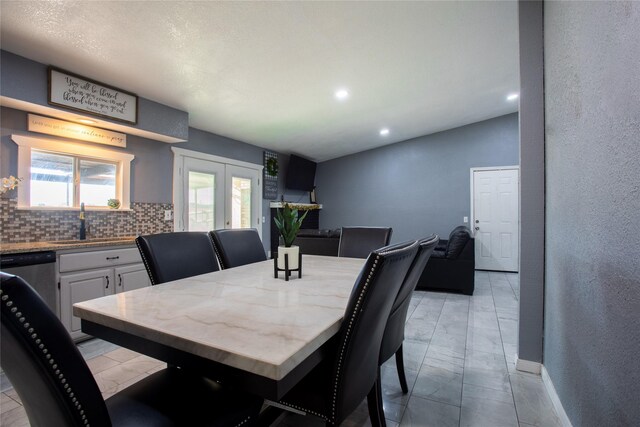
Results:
<point x="288" y="222"/>
<point x="272" y="166"/>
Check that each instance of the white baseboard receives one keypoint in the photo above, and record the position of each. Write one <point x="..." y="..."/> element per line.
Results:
<point x="528" y="366"/>
<point x="553" y="395"/>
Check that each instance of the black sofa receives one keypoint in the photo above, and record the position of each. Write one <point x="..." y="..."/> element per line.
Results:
<point x="318" y="242"/>
<point x="452" y="264"/>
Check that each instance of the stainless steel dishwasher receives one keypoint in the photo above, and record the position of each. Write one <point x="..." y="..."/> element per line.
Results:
<point x="38" y="269"/>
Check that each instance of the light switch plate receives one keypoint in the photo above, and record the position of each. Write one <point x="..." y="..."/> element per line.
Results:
<point x="168" y="215"/>
<point x="465" y="219"/>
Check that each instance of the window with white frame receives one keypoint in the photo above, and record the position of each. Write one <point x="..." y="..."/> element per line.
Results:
<point x="59" y="174"/>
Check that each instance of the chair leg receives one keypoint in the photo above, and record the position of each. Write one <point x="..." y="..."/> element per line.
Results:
<point x="374" y="402"/>
<point x="400" y="367"/>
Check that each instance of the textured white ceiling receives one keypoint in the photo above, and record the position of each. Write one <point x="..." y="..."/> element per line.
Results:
<point x="265" y="72"/>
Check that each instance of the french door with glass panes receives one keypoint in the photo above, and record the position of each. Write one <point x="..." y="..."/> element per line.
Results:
<point x="217" y="195"/>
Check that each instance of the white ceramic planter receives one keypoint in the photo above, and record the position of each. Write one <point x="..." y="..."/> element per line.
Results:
<point x="293" y="252"/>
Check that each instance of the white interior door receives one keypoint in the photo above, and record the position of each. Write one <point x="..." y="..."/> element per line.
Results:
<point x="243" y="198"/>
<point x="203" y="189"/>
<point x="495" y="215"/>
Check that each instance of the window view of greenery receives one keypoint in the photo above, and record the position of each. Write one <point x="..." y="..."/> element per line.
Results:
<point x="54" y="182"/>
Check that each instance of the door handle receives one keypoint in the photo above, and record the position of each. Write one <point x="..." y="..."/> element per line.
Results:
<point x="107" y="277"/>
<point x="120" y="280"/>
<point x="477" y="221"/>
<point x="477" y="228"/>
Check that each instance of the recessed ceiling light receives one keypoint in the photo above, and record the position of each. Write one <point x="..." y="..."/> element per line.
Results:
<point x="342" y="94"/>
<point x="384" y="132"/>
<point x="512" y="97"/>
<point x="87" y="121"/>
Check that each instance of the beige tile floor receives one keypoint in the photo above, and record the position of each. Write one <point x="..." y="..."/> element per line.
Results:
<point x="459" y="360"/>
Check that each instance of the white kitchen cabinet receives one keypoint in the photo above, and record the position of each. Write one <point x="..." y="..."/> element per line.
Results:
<point x="98" y="258"/>
<point x="92" y="274"/>
<point x="131" y="277"/>
<point x="78" y="287"/>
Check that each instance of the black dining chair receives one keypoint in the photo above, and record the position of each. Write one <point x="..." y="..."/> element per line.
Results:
<point x="57" y="388"/>
<point x="236" y="247"/>
<point x="350" y="371"/>
<point x="359" y="242"/>
<point x="394" y="331"/>
<point x="173" y="256"/>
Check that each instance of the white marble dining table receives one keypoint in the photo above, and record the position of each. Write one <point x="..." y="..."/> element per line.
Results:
<point x="241" y="324"/>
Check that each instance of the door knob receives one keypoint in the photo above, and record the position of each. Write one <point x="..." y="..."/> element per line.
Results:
<point x="477" y="221"/>
<point x="477" y="228"/>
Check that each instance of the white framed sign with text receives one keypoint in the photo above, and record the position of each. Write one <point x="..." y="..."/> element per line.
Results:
<point x="56" y="127"/>
<point x="82" y="94"/>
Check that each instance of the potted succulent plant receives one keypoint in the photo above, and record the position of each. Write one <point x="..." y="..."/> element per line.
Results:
<point x="288" y="222"/>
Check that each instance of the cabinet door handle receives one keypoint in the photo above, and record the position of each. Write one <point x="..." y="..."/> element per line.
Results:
<point x="107" y="277"/>
<point x="120" y="280"/>
<point x="113" y="257"/>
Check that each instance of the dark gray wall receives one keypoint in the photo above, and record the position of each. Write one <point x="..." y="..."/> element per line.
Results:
<point x="592" y="273"/>
<point x="26" y="80"/>
<point x="531" y="181"/>
<point x="419" y="186"/>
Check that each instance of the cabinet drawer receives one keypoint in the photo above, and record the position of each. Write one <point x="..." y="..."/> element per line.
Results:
<point x="98" y="259"/>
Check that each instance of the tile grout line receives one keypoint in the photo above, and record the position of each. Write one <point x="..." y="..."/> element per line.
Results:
<point x="495" y="311"/>
<point x="517" y="297"/>
<point x="464" y="362"/>
<point x="422" y="362"/>
<point x="410" y="392"/>
<point x="513" y="397"/>
<point x="19" y="403"/>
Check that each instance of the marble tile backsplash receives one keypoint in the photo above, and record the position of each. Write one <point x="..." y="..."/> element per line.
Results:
<point x="22" y="226"/>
